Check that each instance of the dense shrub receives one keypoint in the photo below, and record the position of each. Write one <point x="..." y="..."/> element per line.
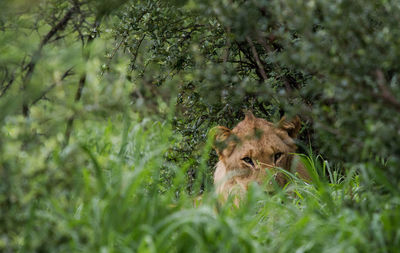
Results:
<point x="334" y="63"/>
<point x="105" y="108"/>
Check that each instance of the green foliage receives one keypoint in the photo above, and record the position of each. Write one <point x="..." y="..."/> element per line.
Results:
<point x="333" y="63"/>
<point x="103" y="193"/>
<point x="105" y="108"/>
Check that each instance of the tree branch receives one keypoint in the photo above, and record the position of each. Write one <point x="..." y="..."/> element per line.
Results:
<point x="66" y="73"/>
<point x="227" y="45"/>
<point x="264" y="44"/>
<point x="257" y="58"/>
<point x="386" y="95"/>
<point x="59" y="26"/>
<point x="137" y="51"/>
<point x="112" y="55"/>
<point x="8" y="85"/>
<point x="30" y="67"/>
<point x="78" y="93"/>
<point x="70" y="122"/>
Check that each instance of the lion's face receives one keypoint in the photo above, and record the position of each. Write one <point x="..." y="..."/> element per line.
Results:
<point x="251" y="148"/>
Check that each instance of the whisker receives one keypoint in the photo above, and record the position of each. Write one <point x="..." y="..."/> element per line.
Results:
<point x="269" y="165"/>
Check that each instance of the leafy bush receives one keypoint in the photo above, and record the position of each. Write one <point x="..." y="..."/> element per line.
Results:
<point x="103" y="193"/>
<point x="334" y="63"/>
<point x="105" y="109"/>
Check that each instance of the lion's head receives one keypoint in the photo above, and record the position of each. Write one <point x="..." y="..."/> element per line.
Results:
<point x="251" y="148"/>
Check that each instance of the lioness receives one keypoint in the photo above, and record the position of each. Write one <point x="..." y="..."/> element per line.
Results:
<point x="252" y="147"/>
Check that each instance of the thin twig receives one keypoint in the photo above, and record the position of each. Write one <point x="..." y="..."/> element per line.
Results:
<point x="227" y="45"/>
<point x="10" y="82"/>
<point x="264" y="44"/>
<point x="261" y="40"/>
<point x="137" y="50"/>
<point x="30" y="67"/>
<point x="70" y="122"/>
<point x="78" y="93"/>
<point x="386" y="95"/>
<point x="257" y="58"/>
<point x="59" y="26"/>
<point x="245" y="53"/>
<point x="248" y="64"/>
<point x="112" y="55"/>
<point x="66" y="73"/>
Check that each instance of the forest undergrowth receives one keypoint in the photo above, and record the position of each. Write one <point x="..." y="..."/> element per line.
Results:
<point x="115" y="190"/>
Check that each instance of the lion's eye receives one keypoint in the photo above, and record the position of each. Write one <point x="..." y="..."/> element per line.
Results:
<point x="277" y="156"/>
<point x="248" y="160"/>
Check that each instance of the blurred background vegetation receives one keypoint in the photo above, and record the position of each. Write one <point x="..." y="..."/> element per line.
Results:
<point x="105" y="108"/>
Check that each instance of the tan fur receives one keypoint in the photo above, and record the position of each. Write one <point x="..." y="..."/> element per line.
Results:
<point x="259" y="140"/>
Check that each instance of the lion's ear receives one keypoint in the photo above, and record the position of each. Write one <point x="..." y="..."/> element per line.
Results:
<point x="249" y="116"/>
<point x="292" y="127"/>
<point x="221" y="138"/>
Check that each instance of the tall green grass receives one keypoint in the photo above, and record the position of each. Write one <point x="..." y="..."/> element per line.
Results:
<point x="113" y="189"/>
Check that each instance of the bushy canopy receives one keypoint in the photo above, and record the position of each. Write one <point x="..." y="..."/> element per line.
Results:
<point x="105" y="109"/>
<point x="333" y="63"/>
